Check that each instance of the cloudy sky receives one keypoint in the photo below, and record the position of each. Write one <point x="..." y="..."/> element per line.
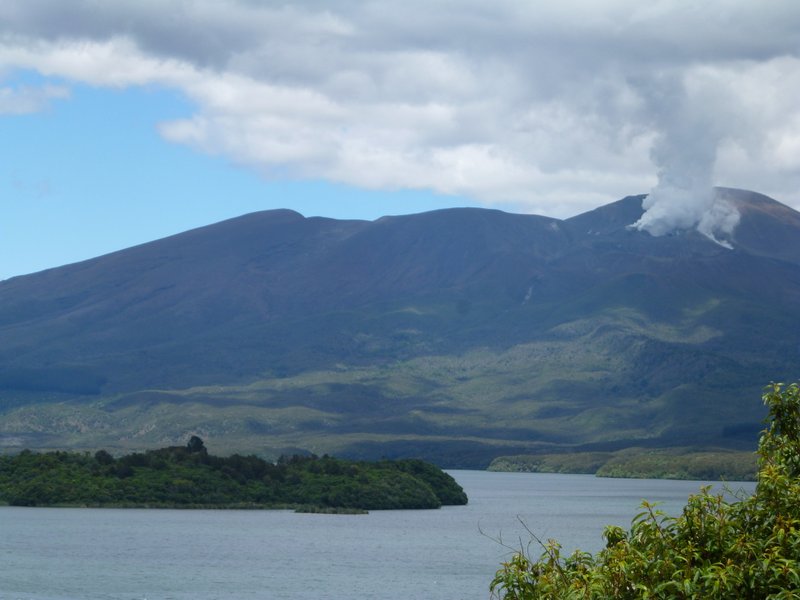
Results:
<point x="124" y="121"/>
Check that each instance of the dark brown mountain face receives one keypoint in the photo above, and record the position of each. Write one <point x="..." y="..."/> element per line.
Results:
<point x="455" y="334"/>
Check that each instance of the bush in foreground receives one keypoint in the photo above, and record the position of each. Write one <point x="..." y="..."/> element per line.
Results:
<point x="714" y="549"/>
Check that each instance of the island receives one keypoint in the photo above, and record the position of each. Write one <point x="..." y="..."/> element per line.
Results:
<point x="189" y="477"/>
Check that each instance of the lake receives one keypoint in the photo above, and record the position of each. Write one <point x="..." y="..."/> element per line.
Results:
<point x="446" y="554"/>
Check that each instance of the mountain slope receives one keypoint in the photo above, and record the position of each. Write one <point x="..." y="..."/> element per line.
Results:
<point x="455" y="335"/>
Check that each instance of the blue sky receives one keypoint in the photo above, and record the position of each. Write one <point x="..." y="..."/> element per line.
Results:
<point x="90" y="174"/>
<point x="126" y="121"/>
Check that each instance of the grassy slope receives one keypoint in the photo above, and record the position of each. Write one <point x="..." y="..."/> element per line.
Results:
<point x="588" y="384"/>
<point x="672" y="463"/>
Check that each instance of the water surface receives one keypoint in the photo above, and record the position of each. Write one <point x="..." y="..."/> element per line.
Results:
<point x="447" y="554"/>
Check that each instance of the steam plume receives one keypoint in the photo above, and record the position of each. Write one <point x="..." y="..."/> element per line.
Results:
<point x="685" y="152"/>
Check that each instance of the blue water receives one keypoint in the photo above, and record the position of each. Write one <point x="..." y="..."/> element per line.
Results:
<point x="447" y="554"/>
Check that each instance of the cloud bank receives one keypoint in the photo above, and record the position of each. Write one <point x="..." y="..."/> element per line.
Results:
<point x="539" y="107"/>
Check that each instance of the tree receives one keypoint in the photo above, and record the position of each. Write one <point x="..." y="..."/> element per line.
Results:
<point x="196" y="445"/>
<point x="749" y="548"/>
<point x="103" y="457"/>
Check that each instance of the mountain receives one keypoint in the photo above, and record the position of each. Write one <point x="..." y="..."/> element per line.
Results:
<point x="454" y="335"/>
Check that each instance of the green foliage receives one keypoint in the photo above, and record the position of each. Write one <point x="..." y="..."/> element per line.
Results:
<point x="715" y="549"/>
<point x="600" y="382"/>
<point x="187" y="476"/>
<point x="195" y="444"/>
<point x="672" y="463"/>
<point x="668" y="464"/>
<point x="568" y="462"/>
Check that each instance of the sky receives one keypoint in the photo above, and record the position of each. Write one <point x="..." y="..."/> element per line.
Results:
<point x="129" y="120"/>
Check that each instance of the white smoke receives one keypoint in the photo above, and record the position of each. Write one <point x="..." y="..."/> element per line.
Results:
<point x="690" y="130"/>
<point x="719" y="219"/>
<point x="668" y="209"/>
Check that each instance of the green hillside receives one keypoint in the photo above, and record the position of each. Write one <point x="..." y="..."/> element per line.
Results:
<point x="460" y="410"/>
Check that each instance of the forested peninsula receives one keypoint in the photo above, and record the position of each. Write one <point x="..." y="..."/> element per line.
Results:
<point x="189" y="477"/>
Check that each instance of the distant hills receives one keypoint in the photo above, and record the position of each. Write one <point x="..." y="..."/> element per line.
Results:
<point x="454" y="335"/>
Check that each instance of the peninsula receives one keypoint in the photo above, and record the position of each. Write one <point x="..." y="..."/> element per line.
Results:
<point x="189" y="477"/>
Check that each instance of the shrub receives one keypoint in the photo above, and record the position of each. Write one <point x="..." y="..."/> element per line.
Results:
<point x="748" y="548"/>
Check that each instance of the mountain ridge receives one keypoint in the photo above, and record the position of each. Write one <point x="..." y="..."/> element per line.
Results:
<point x="443" y="334"/>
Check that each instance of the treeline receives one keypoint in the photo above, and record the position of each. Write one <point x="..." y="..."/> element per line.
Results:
<point x="189" y="477"/>
<point x="674" y="463"/>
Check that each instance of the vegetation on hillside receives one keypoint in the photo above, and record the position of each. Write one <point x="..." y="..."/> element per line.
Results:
<point x="714" y="549"/>
<point x="188" y="477"/>
<point x="671" y="464"/>
<point x="457" y="411"/>
<point x="666" y="463"/>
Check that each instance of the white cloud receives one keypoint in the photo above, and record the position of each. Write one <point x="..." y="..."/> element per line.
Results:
<point x="113" y="63"/>
<point x="22" y="100"/>
<point x="548" y="107"/>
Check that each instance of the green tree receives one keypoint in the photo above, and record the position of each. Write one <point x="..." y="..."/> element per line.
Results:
<point x="196" y="445"/>
<point x="748" y="548"/>
<point x="187" y="476"/>
<point x="103" y="457"/>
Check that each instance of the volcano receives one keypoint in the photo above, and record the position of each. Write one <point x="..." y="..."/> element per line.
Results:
<point x="454" y="335"/>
